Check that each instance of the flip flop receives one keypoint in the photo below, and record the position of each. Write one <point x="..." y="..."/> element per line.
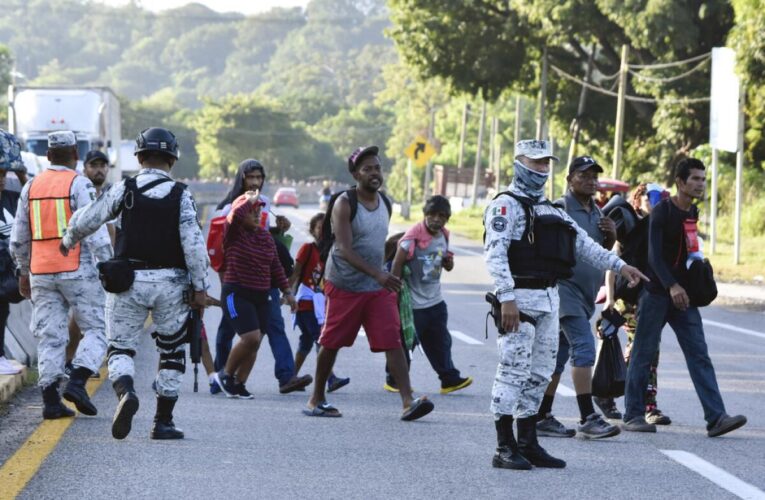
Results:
<point x="419" y="408"/>
<point x="323" y="410"/>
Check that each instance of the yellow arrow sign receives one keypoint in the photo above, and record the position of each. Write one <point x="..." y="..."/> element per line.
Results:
<point x="420" y="151"/>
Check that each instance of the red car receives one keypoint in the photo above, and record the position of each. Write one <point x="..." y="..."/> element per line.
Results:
<point x="286" y="196"/>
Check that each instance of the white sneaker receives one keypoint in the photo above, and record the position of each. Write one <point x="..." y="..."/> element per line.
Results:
<point x="8" y="368"/>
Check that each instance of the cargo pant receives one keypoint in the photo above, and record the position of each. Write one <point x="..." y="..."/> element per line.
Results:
<point x="527" y="357"/>
<point x="126" y="315"/>
<point x="52" y="298"/>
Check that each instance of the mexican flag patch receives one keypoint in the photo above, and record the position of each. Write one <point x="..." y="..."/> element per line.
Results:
<point x="499" y="211"/>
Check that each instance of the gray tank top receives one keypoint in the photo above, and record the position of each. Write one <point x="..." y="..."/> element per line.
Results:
<point x="369" y="230"/>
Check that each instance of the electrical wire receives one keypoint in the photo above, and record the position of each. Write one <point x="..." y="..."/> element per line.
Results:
<point x="671" y="78"/>
<point x="670" y="64"/>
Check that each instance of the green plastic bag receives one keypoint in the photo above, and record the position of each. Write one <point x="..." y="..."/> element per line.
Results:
<point x="405" y="312"/>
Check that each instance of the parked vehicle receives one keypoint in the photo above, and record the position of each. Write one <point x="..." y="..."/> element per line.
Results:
<point x="286" y="196"/>
<point x="92" y="113"/>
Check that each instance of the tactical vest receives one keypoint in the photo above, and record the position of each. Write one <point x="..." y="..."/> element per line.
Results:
<point x="547" y="248"/>
<point x="150" y="227"/>
<point x="50" y="209"/>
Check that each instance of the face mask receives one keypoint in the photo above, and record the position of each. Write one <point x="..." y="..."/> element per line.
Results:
<point x="530" y="182"/>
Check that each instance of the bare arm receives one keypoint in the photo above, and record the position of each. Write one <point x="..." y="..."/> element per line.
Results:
<point x="398" y="262"/>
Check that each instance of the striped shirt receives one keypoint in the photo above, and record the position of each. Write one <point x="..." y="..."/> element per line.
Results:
<point x="250" y="256"/>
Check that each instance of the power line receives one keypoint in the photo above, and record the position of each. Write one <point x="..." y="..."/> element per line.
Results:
<point x="670" y="64"/>
<point x="671" y="78"/>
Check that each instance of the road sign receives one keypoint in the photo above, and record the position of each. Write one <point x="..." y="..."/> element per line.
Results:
<point x="420" y="151"/>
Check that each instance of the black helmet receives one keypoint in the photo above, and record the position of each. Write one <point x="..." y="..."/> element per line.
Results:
<point x="157" y="139"/>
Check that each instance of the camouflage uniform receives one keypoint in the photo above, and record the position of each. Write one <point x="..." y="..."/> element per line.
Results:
<point x="159" y="290"/>
<point x="527" y="357"/>
<point x="54" y="294"/>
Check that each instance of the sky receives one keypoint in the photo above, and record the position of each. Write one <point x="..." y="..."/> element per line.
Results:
<point x="247" y="7"/>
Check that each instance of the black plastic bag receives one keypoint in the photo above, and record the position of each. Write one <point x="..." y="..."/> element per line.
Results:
<point x="610" y="369"/>
<point x="9" y="283"/>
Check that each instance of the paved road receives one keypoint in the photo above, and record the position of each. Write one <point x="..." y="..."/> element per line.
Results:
<point x="265" y="448"/>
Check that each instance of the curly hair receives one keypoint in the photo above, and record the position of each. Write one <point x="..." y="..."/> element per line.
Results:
<point x="637" y="196"/>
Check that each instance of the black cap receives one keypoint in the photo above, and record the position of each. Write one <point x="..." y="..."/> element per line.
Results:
<point x="582" y="163"/>
<point x="94" y="155"/>
<point x="157" y="139"/>
<point x="359" y="153"/>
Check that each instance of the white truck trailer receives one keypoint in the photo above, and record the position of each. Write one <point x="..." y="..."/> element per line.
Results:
<point x="92" y="113"/>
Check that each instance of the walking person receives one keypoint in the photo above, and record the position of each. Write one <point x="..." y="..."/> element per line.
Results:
<point x="672" y="236"/>
<point x="529" y="246"/>
<point x="359" y="293"/>
<point x="309" y="317"/>
<point x="424" y="249"/>
<point x="56" y="284"/>
<point x="577" y="305"/>
<point x="160" y="268"/>
<point x="252" y="265"/>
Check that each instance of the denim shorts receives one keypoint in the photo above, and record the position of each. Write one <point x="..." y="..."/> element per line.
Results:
<point x="581" y="340"/>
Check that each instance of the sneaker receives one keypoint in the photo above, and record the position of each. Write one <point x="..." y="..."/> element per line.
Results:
<point x="390" y="387"/>
<point x="656" y="417"/>
<point x="8" y="368"/>
<point x="595" y="427"/>
<point x="242" y="392"/>
<point x="335" y="383"/>
<point x="68" y="367"/>
<point x="551" y="427"/>
<point x="461" y="384"/>
<point x="226" y="384"/>
<point x="608" y="407"/>
<point x="638" y="424"/>
<point x="294" y="384"/>
<point x="725" y="424"/>
<point x="214" y="387"/>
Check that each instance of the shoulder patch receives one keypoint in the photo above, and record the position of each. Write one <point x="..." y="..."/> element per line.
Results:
<point x="499" y="224"/>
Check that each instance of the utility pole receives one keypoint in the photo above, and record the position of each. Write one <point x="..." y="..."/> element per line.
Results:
<point x="542" y="98"/>
<point x="619" y="132"/>
<point x="517" y="125"/>
<point x="429" y="166"/>
<point x="713" y="203"/>
<point x="492" y="143"/>
<point x="408" y="188"/>
<point x="477" y="170"/>
<point x="576" y="124"/>
<point x="465" y="111"/>
<point x="739" y="177"/>
<point x="551" y="181"/>
<point x="498" y="163"/>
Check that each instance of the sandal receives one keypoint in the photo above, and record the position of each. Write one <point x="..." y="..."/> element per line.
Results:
<point x="419" y="408"/>
<point x="322" y="410"/>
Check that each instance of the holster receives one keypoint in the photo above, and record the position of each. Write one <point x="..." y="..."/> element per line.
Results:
<point x="496" y="314"/>
<point x="116" y="275"/>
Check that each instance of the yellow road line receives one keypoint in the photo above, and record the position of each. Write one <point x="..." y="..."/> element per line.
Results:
<point x="18" y="470"/>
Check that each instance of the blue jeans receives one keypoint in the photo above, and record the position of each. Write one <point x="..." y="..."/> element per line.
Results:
<point x="310" y="330"/>
<point x="579" y="337"/>
<point x="433" y="334"/>
<point x="563" y="354"/>
<point x="284" y="363"/>
<point x="655" y="311"/>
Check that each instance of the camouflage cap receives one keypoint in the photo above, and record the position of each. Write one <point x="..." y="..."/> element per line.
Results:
<point x="10" y="152"/>
<point x="61" y="139"/>
<point x="534" y="149"/>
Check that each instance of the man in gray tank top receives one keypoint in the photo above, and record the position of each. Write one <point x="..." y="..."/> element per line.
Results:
<point x="360" y="293"/>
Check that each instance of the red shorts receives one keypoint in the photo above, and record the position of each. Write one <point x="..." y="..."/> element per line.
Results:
<point x="348" y="311"/>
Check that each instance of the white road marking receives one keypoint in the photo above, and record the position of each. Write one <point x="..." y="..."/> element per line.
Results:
<point x="465" y="338"/>
<point x="721" y="478"/>
<point x="737" y="329"/>
<point x="465" y="292"/>
<point x="565" y="391"/>
<point x="460" y="250"/>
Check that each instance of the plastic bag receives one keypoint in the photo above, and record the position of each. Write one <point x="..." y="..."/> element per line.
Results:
<point x="610" y="369"/>
<point x="405" y="313"/>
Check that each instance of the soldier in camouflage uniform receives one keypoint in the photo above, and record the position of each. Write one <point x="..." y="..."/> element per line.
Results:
<point x="160" y="241"/>
<point x="529" y="245"/>
<point x="54" y="292"/>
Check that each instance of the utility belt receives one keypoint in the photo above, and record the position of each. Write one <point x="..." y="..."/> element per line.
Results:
<point x="534" y="283"/>
<point x="118" y="275"/>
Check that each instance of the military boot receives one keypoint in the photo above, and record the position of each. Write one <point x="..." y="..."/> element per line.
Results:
<point x="126" y="408"/>
<point x="52" y="406"/>
<point x="507" y="455"/>
<point x="529" y="447"/>
<point x="76" y="393"/>
<point x="163" y="427"/>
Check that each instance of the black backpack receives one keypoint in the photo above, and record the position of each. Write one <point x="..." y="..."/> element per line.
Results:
<point x="327" y="235"/>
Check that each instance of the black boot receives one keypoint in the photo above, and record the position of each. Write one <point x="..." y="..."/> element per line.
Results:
<point x="126" y="408"/>
<point x="76" y="393"/>
<point x="163" y="427"/>
<point x="529" y="446"/>
<point x="52" y="406"/>
<point x="507" y="456"/>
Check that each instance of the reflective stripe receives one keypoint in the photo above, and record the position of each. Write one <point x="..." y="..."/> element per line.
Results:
<point x="36" y="223"/>
<point x="61" y="217"/>
<point x="230" y="303"/>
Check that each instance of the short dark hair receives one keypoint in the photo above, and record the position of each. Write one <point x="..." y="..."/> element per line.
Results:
<point x="155" y="155"/>
<point x="436" y="204"/>
<point x="684" y="167"/>
<point x="315" y="220"/>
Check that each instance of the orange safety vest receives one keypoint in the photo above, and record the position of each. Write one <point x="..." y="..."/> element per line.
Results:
<point x="50" y="209"/>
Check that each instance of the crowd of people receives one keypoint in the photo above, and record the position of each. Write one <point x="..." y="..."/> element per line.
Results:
<point x="97" y="260"/>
